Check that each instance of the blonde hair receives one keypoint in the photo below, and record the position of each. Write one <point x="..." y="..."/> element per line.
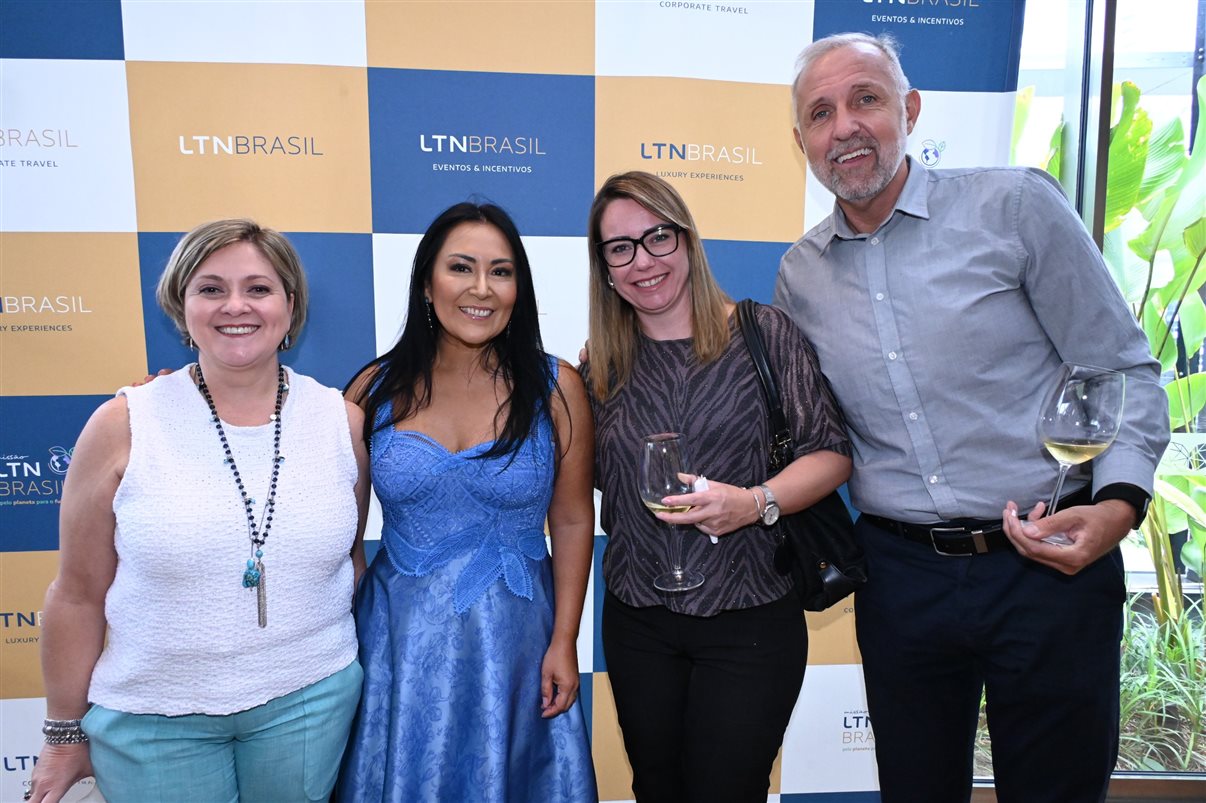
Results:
<point x="202" y="242"/>
<point x="614" y="331"/>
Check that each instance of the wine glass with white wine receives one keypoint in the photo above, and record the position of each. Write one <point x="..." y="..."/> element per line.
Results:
<point x="664" y="472"/>
<point x="1079" y="420"/>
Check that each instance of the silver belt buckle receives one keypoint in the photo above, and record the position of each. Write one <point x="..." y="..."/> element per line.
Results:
<point x="977" y="536"/>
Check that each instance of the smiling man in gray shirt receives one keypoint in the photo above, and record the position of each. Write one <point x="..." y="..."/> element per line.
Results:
<point x="941" y="304"/>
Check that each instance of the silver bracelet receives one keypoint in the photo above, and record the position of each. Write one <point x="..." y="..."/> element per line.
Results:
<point x="63" y="731"/>
<point x="61" y="723"/>
<point x="760" y="506"/>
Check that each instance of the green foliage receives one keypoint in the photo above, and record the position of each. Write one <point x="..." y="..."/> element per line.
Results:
<point x="1128" y="157"/>
<point x="1054" y="161"/>
<point x="1185" y="397"/>
<point x="1165" y="158"/>
<point x="1195" y="236"/>
<point x="1155" y="244"/>
<point x="1193" y="555"/>
<point x="1169" y="597"/>
<point x="1156" y="230"/>
<point x="1163" y="694"/>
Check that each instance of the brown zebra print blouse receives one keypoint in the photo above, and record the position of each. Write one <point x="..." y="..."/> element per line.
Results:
<point x="720" y="409"/>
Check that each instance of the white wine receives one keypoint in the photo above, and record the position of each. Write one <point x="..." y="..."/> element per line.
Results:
<point x="1075" y="452"/>
<point x="658" y="507"/>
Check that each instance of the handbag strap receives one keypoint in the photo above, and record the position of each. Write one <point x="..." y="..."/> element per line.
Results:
<point x="781" y="440"/>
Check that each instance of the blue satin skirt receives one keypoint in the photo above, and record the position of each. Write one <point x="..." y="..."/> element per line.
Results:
<point x="450" y="708"/>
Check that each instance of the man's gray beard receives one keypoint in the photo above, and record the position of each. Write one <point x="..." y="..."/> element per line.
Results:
<point x="869" y="187"/>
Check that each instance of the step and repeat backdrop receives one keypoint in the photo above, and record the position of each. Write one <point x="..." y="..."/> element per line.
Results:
<point x="349" y="126"/>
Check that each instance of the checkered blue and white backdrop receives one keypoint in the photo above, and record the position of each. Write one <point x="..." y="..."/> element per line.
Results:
<point x="349" y="125"/>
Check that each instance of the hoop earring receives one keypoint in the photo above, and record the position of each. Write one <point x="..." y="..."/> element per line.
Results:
<point x="611" y="282"/>
<point x="286" y="344"/>
<point x="189" y="344"/>
<point x="427" y="309"/>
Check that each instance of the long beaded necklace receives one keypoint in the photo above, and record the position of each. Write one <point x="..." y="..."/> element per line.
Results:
<point x="254" y="575"/>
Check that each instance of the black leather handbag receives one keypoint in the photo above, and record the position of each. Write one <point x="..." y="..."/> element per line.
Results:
<point x="816" y="545"/>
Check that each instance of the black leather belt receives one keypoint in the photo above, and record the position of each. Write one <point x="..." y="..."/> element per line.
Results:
<point x="964" y="536"/>
<point x="970" y="537"/>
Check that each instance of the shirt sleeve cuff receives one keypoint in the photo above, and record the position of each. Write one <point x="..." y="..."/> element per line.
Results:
<point x="1133" y="495"/>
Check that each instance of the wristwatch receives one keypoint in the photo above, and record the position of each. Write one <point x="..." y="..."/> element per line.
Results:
<point x="770" y="513"/>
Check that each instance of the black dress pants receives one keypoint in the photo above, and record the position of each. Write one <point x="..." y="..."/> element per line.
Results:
<point x="935" y="630"/>
<point x="703" y="701"/>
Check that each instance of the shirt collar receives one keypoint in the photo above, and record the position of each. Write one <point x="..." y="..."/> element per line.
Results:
<point x="913" y="201"/>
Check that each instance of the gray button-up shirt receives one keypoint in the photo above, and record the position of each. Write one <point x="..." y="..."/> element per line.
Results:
<point x="942" y="331"/>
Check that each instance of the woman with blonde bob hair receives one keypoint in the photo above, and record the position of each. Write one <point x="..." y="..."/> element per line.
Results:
<point x="704" y="678"/>
<point x="174" y="669"/>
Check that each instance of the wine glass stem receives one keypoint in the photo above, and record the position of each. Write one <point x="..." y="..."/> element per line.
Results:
<point x="1059" y="486"/>
<point x="676" y="549"/>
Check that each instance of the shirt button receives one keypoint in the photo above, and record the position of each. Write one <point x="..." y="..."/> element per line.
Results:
<point x="891" y="355"/>
<point x="874" y="241"/>
<point x="879" y="296"/>
<point x="933" y="479"/>
<point x="912" y="416"/>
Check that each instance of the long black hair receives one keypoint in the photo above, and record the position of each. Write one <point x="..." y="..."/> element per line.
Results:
<point x="401" y="377"/>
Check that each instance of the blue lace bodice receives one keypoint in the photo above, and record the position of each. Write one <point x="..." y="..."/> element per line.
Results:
<point x="438" y="505"/>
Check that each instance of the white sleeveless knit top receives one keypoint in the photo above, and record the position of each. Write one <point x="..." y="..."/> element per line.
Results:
<point x="183" y="632"/>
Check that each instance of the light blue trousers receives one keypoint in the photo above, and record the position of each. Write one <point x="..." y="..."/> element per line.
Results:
<point x="287" y="749"/>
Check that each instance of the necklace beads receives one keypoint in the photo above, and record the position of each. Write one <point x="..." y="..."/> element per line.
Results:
<point x="254" y="575"/>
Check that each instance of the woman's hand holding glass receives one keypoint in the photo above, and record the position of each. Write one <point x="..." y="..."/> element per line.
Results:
<point x="715" y="510"/>
<point x="664" y="473"/>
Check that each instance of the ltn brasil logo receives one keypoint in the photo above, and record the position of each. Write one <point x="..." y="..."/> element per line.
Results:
<point x="857" y="734"/>
<point x="24" y="481"/>
<point x="60" y="459"/>
<point x="931" y="152"/>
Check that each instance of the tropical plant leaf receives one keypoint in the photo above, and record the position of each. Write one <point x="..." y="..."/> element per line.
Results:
<point x="1127" y="156"/>
<point x="1189" y="272"/>
<point x="1053" y="164"/>
<point x="1166" y="158"/>
<point x="1154" y="325"/>
<point x="1175" y="519"/>
<point x="1192" y="320"/>
<point x="1133" y="272"/>
<point x="1180" y="499"/>
<point x="1195" y="237"/>
<point x="1191" y="185"/>
<point x="1172" y="209"/>
<point x="1189" y="275"/>
<point x="1192" y="486"/>
<point x="1193" y="553"/>
<point x="1147" y="244"/>
<point x="1186" y="397"/>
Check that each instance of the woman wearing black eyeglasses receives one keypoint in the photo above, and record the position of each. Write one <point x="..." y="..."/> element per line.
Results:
<point x="704" y="679"/>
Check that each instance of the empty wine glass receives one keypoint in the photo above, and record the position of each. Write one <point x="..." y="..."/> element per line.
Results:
<point x="1079" y="420"/>
<point x="664" y="472"/>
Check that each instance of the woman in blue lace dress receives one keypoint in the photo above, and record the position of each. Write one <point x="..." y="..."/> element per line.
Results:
<point x="467" y="628"/>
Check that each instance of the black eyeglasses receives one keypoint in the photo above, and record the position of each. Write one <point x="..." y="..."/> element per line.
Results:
<point x="659" y="241"/>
